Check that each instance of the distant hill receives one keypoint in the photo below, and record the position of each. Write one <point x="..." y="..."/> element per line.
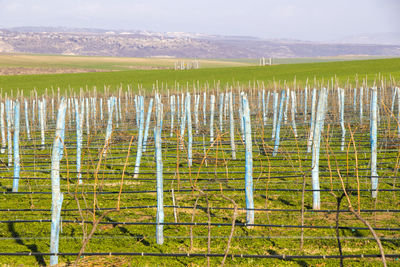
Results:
<point x="390" y="38"/>
<point x="126" y="43"/>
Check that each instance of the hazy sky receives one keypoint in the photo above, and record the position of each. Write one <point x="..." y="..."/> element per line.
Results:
<point x="295" y="19"/>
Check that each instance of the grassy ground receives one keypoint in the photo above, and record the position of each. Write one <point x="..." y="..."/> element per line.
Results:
<point x="104" y="63"/>
<point x="343" y="71"/>
<point x="271" y="174"/>
<point x="325" y="59"/>
<point x="223" y="174"/>
<point x="126" y="63"/>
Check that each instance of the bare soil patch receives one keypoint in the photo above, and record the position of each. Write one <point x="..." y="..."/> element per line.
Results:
<point x="29" y="70"/>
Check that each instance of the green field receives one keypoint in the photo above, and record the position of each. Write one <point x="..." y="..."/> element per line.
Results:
<point x="207" y="192"/>
<point x="107" y="63"/>
<point x="278" y="183"/>
<point x="344" y="70"/>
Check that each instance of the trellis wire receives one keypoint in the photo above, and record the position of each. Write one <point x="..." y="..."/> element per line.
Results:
<point x="313" y="132"/>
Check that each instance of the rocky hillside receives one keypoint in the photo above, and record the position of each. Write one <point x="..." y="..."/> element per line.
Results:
<point x="145" y="44"/>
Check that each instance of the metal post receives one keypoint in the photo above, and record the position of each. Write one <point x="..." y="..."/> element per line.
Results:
<point x="316" y="148"/>
<point x="94" y="101"/>
<point x="398" y="111"/>
<point x="61" y="144"/>
<point x="355" y="99"/>
<point x="373" y="139"/>
<point x="286" y="103"/>
<point x="232" y="126"/>
<point x="119" y="109"/>
<point x="183" y="121"/>
<point x="305" y="104"/>
<point x="263" y="108"/>
<point x="52" y="108"/>
<point x="9" y="137"/>
<point x="42" y="119"/>
<point x="221" y="102"/>
<point x="57" y="196"/>
<point x="266" y="104"/>
<point x="110" y="104"/>
<point x="78" y="141"/>
<point x="178" y="119"/>
<point x="190" y="136"/>
<point x="172" y="114"/>
<point x="3" y="130"/>
<point x="361" y="103"/>
<point x="101" y="109"/>
<point x="68" y="108"/>
<point x="28" y="132"/>
<point x="87" y="108"/>
<point x="205" y="108"/>
<point x="394" y="93"/>
<point x="146" y="130"/>
<point x="275" y="117"/>
<point x="16" y="148"/>
<point x="278" y="125"/>
<point x="137" y="110"/>
<point x="44" y="109"/>
<point x="140" y="138"/>
<point x="159" y="169"/>
<point x="249" y="162"/>
<point x="293" y="112"/>
<point x="241" y="114"/>
<point x="312" y="120"/>
<point x="212" y="119"/>
<point x="341" y="116"/>
<point x="33" y="111"/>
<point x="196" y="112"/>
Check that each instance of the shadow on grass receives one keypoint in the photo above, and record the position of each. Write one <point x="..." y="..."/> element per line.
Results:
<point x="33" y="248"/>
<point x="139" y="238"/>
<point x="299" y="262"/>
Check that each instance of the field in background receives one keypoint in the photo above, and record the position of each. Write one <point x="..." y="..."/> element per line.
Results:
<point x="325" y="59"/>
<point x="298" y="60"/>
<point x="14" y="64"/>
<point x="343" y="70"/>
<point x="25" y="63"/>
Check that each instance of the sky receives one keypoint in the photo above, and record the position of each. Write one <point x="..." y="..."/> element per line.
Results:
<point x="314" y="20"/>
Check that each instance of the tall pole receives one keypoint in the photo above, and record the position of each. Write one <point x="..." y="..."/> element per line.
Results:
<point x="232" y="126"/>
<point x="159" y="175"/>
<point x="249" y="162"/>
<point x="316" y="148"/>
<point x="373" y="139"/>
<point x="278" y="125"/>
<point x="16" y="148"/>
<point x="57" y="196"/>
